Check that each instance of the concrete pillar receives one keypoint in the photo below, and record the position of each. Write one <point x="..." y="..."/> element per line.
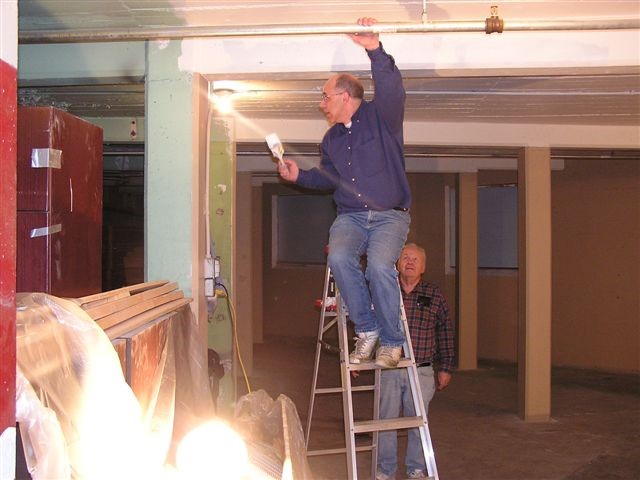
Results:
<point x="467" y="278"/>
<point x="176" y="107"/>
<point x="168" y="166"/>
<point x="534" y="284"/>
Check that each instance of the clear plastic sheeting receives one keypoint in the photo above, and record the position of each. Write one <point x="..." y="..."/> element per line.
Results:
<point x="45" y="448"/>
<point x="82" y="418"/>
<point x="273" y="434"/>
<point x="194" y="403"/>
<point x="77" y="380"/>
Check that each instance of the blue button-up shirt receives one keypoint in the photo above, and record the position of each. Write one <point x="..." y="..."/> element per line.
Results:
<point x="364" y="163"/>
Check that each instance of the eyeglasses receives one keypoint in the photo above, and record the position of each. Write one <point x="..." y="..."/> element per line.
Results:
<point x="325" y="96"/>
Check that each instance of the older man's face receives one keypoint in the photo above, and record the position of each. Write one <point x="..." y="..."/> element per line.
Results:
<point x="411" y="262"/>
<point x="333" y="103"/>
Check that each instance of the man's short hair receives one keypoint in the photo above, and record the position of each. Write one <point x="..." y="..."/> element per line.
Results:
<point x="350" y="84"/>
<point x="417" y="247"/>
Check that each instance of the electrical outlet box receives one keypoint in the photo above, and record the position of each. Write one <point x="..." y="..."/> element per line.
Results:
<point x="216" y="267"/>
<point x="209" y="278"/>
<point x="209" y="287"/>
<point x="209" y="268"/>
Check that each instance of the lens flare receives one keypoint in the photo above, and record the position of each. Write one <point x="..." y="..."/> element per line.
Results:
<point x="212" y="451"/>
<point x="223" y="103"/>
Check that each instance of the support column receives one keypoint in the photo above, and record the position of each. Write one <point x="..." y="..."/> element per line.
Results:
<point x="176" y="106"/>
<point x="534" y="284"/>
<point x="222" y="208"/>
<point x="467" y="278"/>
<point x="168" y="166"/>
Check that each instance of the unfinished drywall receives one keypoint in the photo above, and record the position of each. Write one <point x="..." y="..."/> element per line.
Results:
<point x="498" y="316"/>
<point x="596" y="265"/>
<point x="595" y="271"/>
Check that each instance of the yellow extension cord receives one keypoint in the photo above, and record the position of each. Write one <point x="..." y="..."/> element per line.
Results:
<point x="232" y="312"/>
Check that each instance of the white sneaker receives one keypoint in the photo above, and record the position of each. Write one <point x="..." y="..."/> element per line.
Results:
<point x="364" y="347"/>
<point x="388" y="357"/>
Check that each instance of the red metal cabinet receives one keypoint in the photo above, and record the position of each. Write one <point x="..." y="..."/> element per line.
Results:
<point x="59" y="201"/>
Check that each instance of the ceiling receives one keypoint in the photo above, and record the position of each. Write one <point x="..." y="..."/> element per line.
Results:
<point x="115" y="14"/>
<point x="595" y="97"/>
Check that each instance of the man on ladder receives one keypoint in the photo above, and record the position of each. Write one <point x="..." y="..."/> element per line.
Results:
<point x="363" y="162"/>
<point x="432" y="338"/>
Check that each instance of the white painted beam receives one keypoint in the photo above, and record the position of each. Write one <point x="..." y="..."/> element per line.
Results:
<point x="510" y="50"/>
<point x="9" y="32"/>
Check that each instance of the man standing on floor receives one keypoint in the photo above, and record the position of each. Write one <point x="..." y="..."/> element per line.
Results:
<point x="432" y="337"/>
<point x="363" y="162"/>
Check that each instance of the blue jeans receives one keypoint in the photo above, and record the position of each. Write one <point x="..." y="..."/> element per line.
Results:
<point x="381" y="235"/>
<point x="395" y="395"/>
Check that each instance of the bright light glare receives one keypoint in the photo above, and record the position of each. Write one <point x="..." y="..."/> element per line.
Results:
<point x="287" y="470"/>
<point x="233" y="85"/>
<point x="223" y="103"/>
<point x="212" y="451"/>
<point x="109" y="422"/>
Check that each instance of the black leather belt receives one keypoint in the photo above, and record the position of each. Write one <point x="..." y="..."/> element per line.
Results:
<point x="424" y="364"/>
<point x="401" y="209"/>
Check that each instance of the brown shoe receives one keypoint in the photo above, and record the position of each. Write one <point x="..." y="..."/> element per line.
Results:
<point x="388" y="357"/>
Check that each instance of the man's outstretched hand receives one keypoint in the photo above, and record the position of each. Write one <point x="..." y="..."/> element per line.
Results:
<point x="289" y="171"/>
<point x="370" y="41"/>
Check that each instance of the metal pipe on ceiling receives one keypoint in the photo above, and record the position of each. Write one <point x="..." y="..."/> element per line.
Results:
<point x="171" y="33"/>
<point x="250" y="149"/>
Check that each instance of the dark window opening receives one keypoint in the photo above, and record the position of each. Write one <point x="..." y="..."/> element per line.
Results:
<point x="301" y="228"/>
<point x="123" y="215"/>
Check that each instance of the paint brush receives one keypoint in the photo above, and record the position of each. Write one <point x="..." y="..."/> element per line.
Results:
<point x="276" y="148"/>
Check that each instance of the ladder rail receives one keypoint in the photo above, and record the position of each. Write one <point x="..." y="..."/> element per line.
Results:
<point x="321" y="331"/>
<point x="418" y="403"/>
<point x="376" y="416"/>
<point x="347" y="398"/>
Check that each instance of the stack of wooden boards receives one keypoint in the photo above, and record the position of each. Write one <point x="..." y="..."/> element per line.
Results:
<point x="127" y="308"/>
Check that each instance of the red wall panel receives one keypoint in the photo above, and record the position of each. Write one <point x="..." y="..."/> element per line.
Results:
<point x="8" y="117"/>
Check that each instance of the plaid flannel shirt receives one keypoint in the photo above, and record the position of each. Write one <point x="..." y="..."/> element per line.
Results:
<point x="432" y="331"/>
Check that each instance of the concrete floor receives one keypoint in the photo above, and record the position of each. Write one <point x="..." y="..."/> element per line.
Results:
<point x="594" y="432"/>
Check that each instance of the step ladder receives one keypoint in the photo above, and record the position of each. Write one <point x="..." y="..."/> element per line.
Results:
<point x="330" y="318"/>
